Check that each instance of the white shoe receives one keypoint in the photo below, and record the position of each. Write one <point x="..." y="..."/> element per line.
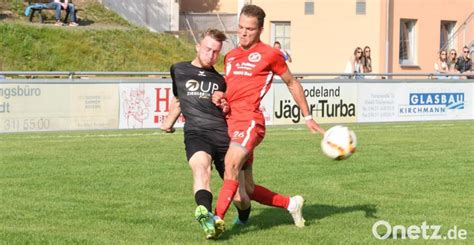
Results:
<point x="297" y="213"/>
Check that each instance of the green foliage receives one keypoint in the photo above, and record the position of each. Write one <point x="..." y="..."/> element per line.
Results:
<point x="16" y="6"/>
<point x="46" y="48"/>
<point x="134" y="186"/>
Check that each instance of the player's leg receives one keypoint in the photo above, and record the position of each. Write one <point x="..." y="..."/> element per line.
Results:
<point x="267" y="197"/>
<point x="200" y="164"/>
<point x="234" y="159"/>
<point x="242" y="202"/>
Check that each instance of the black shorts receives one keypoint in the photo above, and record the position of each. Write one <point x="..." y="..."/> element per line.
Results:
<point x="213" y="143"/>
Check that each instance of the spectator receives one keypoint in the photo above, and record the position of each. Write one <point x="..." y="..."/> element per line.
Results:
<point x="464" y="63"/>
<point x="285" y="53"/>
<point x="367" y="62"/>
<point x="452" y="63"/>
<point x="354" y="65"/>
<point x="472" y="67"/>
<point x="441" y="65"/>
<point x="70" y="11"/>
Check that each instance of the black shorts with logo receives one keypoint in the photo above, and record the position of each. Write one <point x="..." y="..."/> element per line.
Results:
<point x="214" y="143"/>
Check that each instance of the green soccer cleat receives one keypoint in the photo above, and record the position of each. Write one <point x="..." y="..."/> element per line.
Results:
<point x="206" y="221"/>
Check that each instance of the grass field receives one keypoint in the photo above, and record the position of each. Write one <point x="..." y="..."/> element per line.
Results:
<point x="135" y="186"/>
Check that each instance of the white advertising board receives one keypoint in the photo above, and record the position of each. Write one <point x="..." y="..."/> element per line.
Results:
<point x="46" y="107"/>
<point x="384" y="102"/>
<point x="145" y="105"/>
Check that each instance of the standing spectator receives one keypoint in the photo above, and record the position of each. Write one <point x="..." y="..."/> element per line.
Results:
<point x="452" y="63"/>
<point x="354" y="65"/>
<point x="464" y="63"/>
<point x="285" y="53"/>
<point x="472" y="67"/>
<point x="367" y="62"/>
<point x="441" y="65"/>
<point x="70" y="11"/>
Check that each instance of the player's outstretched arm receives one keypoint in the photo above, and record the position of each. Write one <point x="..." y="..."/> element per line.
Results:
<point x="297" y="92"/>
<point x="175" y="111"/>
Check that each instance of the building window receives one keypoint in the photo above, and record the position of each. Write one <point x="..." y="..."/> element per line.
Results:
<point x="309" y="8"/>
<point x="407" y="52"/>
<point x="281" y="32"/>
<point x="446" y="40"/>
<point x="360" y="7"/>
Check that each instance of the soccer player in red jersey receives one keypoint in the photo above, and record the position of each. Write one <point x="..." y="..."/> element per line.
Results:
<point x="249" y="71"/>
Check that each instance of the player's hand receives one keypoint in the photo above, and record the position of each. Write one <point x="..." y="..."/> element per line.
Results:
<point x="167" y="129"/>
<point x="217" y="98"/>
<point x="314" y="127"/>
<point x="225" y="106"/>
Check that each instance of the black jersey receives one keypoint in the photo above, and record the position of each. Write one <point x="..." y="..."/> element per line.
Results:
<point x="194" y="87"/>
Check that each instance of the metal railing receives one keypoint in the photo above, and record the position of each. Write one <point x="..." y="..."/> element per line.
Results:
<point x="131" y="74"/>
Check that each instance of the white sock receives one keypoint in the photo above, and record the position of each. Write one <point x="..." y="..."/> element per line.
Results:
<point x="292" y="205"/>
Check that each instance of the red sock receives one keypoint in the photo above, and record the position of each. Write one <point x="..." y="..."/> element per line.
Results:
<point x="269" y="198"/>
<point x="226" y="195"/>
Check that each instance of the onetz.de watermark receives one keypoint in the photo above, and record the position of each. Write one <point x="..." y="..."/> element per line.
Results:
<point x="383" y="230"/>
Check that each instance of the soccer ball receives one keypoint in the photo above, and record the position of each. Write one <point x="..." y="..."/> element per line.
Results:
<point x="339" y="142"/>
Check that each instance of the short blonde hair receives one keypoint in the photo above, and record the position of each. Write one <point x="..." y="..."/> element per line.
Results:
<point x="214" y="34"/>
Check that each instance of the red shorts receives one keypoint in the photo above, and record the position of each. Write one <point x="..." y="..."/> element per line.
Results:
<point x="248" y="134"/>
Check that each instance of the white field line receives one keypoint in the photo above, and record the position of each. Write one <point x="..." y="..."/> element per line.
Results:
<point x="125" y="135"/>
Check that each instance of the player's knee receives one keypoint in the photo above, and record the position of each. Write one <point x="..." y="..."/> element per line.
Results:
<point x="231" y="172"/>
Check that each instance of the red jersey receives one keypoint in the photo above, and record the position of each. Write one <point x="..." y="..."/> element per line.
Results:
<point x="249" y="75"/>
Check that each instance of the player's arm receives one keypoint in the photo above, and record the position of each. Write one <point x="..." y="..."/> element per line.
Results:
<point x="173" y="114"/>
<point x="289" y="56"/>
<point x="297" y="92"/>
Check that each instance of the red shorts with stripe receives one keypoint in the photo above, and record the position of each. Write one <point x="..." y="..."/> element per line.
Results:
<point x="248" y="134"/>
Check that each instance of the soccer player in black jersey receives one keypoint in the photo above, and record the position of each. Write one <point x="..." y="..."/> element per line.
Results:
<point x="205" y="129"/>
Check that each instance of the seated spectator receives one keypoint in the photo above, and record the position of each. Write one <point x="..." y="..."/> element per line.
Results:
<point x="441" y="65"/>
<point x="287" y="56"/>
<point x="354" y="65"/>
<point x="70" y="9"/>
<point x="464" y="63"/>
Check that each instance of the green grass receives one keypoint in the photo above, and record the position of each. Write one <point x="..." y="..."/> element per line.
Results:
<point x="45" y="48"/>
<point x="134" y="186"/>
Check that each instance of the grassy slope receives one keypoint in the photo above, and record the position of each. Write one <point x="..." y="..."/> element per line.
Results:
<point x="135" y="187"/>
<point x="105" y="43"/>
<point x="29" y="48"/>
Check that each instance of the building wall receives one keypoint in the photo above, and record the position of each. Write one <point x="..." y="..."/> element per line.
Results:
<point x="429" y="17"/>
<point x="205" y="6"/>
<point x="157" y="16"/>
<point x="323" y="42"/>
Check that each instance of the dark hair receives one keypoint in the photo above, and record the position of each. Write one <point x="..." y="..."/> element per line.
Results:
<point x="254" y="11"/>
<point x="276" y="42"/>
<point x="214" y="34"/>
